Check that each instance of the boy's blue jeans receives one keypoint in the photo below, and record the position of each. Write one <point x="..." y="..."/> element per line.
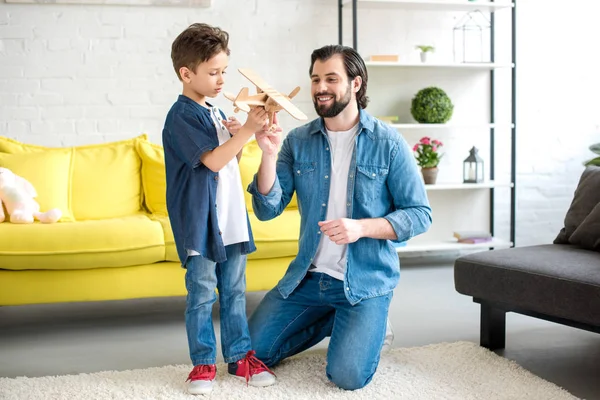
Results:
<point x="317" y="308"/>
<point x="201" y="279"/>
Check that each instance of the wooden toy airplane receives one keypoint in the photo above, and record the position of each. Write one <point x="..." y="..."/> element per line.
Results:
<point x="266" y="97"/>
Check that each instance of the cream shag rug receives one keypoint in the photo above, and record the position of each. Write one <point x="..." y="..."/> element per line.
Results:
<point x="461" y="371"/>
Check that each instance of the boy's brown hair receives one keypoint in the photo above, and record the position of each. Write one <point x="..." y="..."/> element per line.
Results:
<point x="197" y="44"/>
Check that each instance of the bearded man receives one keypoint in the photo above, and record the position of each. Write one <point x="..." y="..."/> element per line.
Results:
<point x="358" y="190"/>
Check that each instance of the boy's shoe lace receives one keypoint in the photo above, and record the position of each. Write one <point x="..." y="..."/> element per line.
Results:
<point x="253" y="370"/>
<point x="201" y="379"/>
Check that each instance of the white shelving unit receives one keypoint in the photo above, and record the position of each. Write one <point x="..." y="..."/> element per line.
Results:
<point x="433" y="5"/>
<point x="467" y="186"/>
<point x="449" y="126"/>
<point x="461" y="203"/>
<point x="450" y="245"/>
<point x="432" y="65"/>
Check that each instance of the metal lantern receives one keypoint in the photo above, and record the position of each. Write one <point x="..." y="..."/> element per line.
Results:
<point x="473" y="167"/>
<point x="471" y="37"/>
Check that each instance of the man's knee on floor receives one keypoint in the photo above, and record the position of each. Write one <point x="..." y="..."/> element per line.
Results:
<point x="262" y="354"/>
<point x="262" y="351"/>
<point x="349" y="379"/>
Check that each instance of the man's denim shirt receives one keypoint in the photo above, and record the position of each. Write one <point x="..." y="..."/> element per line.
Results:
<point x="383" y="182"/>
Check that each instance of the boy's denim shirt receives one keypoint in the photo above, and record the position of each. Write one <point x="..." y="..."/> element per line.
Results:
<point x="192" y="187"/>
<point x="383" y="182"/>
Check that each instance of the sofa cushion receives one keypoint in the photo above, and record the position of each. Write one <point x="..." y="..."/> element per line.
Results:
<point x="170" y="248"/>
<point x="587" y="234"/>
<point x="105" y="181"/>
<point x="154" y="180"/>
<point x="49" y="173"/>
<point x="549" y="279"/>
<point x="116" y="242"/>
<point x="277" y="237"/>
<point x="249" y="164"/>
<point x="587" y="196"/>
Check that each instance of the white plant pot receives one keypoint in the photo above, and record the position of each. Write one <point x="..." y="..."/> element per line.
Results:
<point x="423" y="56"/>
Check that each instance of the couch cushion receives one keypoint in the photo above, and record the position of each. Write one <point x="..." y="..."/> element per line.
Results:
<point x="587" y="196"/>
<point x="170" y="248"/>
<point x="106" y="179"/>
<point x="116" y="242"/>
<point x="273" y="239"/>
<point x="49" y="173"/>
<point x="558" y="280"/>
<point x="249" y="164"/>
<point x="277" y="237"/>
<point x="587" y="234"/>
<point x="154" y="180"/>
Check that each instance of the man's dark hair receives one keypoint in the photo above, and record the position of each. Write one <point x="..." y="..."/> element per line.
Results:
<point x="353" y="62"/>
<point x="197" y="44"/>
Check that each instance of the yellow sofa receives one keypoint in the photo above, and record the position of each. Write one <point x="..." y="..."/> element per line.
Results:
<point x="114" y="240"/>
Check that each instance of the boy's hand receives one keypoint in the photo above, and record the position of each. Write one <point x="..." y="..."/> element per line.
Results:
<point x="268" y="139"/>
<point x="232" y="125"/>
<point x="257" y="117"/>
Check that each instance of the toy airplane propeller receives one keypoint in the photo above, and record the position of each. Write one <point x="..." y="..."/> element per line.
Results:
<point x="266" y="97"/>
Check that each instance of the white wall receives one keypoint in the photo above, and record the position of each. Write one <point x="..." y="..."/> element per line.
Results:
<point x="558" y="109"/>
<point x="84" y="74"/>
<point x="79" y="74"/>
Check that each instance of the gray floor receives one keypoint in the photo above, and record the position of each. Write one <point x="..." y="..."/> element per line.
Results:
<point x="72" y="338"/>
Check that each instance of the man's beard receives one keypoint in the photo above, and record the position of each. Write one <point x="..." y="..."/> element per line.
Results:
<point x="334" y="109"/>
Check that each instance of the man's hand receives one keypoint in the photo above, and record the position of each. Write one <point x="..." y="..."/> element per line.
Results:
<point x="232" y="125"/>
<point x="257" y="118"/>
<point x="343" y="230"/>
<point x="269" y="140"/>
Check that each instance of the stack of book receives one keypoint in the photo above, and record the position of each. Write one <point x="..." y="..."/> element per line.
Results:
<point x="473" y="236"/>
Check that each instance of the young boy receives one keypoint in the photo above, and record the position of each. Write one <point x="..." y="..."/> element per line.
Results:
<point x="206" y="208"/>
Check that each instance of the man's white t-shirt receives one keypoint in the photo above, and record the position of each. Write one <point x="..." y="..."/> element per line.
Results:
<point x="330" y="257"/>
<point x="231" y="208"/>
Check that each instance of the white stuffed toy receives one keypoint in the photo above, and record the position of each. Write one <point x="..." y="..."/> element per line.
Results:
<point x="17" y="195"/>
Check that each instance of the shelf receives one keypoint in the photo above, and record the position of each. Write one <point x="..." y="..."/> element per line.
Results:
<point x="450" y="126"/>
<point x="467" y="186"/>
<point x="450" y="245"/>
<point x="448" y="198"/>
<point x="433" y="5"/>
<point x="484" y="66"/>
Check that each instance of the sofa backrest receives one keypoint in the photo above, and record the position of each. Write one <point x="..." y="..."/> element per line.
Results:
<point x="106" y="180"/>
<point x="102" y="180"/>
<point x="154" y="178"/>
<point x="582" y="221"/>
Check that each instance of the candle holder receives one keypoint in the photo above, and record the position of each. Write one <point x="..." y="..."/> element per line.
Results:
<point x="473" y="167"/>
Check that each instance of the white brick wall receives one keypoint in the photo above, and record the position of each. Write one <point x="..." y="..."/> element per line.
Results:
<point x="77" y="74"/>
<point x="558" y="110"/>
<point x="72" y="75"/>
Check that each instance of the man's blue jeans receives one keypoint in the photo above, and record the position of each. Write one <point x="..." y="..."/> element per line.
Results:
<point x="201" y="279"/>
<point x="318" y="308"/>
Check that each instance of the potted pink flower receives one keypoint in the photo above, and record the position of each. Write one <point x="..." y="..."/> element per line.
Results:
<point x="428" y="157"/>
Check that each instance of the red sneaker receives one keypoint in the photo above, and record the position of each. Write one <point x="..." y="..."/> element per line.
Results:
<point x="201" y="379"/>
<point x="253" y="370"/>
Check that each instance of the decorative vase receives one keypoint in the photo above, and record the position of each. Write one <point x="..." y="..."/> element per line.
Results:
<point x="423" y="56"/>
<point x="429" y="175"/>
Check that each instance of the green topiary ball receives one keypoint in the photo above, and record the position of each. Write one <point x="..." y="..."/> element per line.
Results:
<point x="431" y="106"/>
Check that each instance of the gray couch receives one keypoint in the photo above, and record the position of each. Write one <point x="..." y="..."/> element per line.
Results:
<point x="558" y="282"/>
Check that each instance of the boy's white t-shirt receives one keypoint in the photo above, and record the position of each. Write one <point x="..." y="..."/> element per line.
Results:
<point x="231" y="208"/>
<point x="330" y="257"/>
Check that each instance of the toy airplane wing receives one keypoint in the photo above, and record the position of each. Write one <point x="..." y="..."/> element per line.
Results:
<point x="273" y="94"/>
<point x="243" y="100"/>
